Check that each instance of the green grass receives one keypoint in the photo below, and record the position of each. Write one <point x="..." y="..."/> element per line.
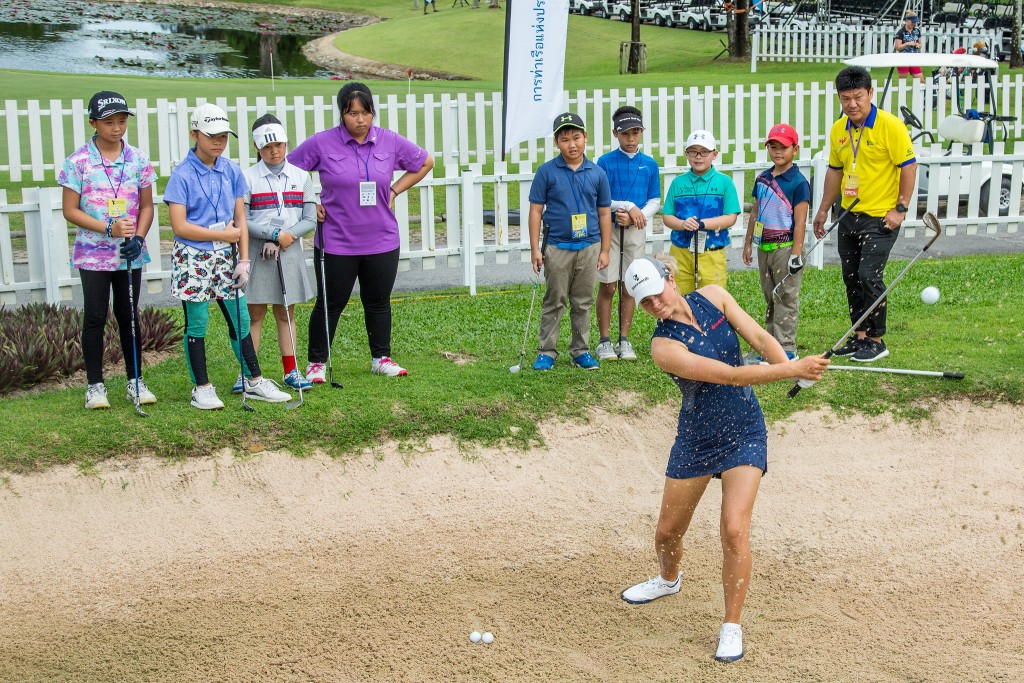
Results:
<point x="977" y="327"/>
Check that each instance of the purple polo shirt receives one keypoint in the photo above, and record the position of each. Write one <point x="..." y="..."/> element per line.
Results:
<point x="351" y="229"/>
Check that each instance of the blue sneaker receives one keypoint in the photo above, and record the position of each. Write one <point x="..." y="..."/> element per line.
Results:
<point x="586" y="361"/>
<point x="296" y="381"/>
<point x="544" y="362"/>
<point x="237" y="387"/>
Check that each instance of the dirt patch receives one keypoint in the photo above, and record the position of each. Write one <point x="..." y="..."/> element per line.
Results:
<point x="883" y="552"/>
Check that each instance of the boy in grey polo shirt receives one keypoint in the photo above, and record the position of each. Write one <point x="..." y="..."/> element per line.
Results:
<point x="570" y="196"/>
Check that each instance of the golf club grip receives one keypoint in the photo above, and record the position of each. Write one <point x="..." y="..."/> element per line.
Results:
<point x="953" y="375"/>
<point x="796" y="387"/>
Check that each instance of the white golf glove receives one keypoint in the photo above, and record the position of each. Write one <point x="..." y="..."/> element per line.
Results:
<point x="796" y="264"/>
<point x="241" y="274"/>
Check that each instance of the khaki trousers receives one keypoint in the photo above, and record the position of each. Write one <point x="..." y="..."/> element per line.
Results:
<point x="781" y="316"/>
<point x="569" y="274"/>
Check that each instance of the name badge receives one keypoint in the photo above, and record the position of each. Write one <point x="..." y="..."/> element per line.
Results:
<point x="117" y="207"/>
<point x="579" y="226"/>
<point x="851" y="186"/>
<point x="699" y="241"/>
<point x="367" y="193"/>
<point x="278" y="223"/>
<point x="758" y="231"/>
<point x="217" y="245"/>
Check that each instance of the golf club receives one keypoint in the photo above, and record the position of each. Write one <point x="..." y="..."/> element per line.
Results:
<point x="238" y="330"/>
<point x="526" y="331"/>
<point x="931" y="223"/>
<point x="135" y="348"/>
<point x="327" y="322"/>
<point x="620" y="285"/>
<point x="896" y="371"/>
<point x="696" y="253"/>
<point x="290" y="405"/>
<point x="775" y="291"/>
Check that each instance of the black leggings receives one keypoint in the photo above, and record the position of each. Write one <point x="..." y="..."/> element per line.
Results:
<point x="376" y="274"/>
<point x="96" y="287"/>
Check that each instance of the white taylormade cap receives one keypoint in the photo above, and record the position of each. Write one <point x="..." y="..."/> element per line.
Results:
<point x="210" y="120"/>
<point x="645" y="277"/>
<point x="267" y="133"/>
<point x="701" y="138"/>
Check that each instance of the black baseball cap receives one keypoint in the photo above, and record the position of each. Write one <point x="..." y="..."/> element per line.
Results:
<point x="568" y="120"/>
<point x="628" y="121"/>
<point x="107" y="103"/>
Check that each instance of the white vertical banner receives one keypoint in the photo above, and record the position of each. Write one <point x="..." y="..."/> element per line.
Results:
<point x="534" y="68"/>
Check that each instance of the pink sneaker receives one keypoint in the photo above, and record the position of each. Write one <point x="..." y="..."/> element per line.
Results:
<point x="316" y="373"/>
<point x="387" y="367"/>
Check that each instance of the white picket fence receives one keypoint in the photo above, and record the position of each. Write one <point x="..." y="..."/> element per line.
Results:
<point x="467" y="240"/>
<point x="838" y="42"/>
<point x="464" y="129"/>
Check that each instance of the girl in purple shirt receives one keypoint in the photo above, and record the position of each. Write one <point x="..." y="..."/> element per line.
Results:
<point x="359" y="238"/>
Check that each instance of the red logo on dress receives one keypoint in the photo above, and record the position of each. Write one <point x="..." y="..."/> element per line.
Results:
<point x="718" y="322"/>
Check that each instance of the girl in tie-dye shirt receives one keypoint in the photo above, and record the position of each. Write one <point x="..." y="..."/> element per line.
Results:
<point x="108" y="194"/>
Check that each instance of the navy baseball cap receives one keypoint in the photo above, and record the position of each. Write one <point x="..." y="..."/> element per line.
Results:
<point x="568" y="120"/>
<point x="107" y="103"/>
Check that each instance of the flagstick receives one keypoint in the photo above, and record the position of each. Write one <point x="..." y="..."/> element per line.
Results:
<point x="272" y="88"/>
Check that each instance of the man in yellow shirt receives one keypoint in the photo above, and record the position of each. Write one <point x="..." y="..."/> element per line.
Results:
<point x="870" y="158"/>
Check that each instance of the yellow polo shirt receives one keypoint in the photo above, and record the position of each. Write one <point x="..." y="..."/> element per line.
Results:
<point x="882" y="148"/>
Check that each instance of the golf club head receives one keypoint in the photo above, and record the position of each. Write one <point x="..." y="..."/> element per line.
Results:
<point x="932" y="223"/>
<point x="292" y="405"/>
<point x="515" y="369"/>
<point x="139" y="410"/>
<point x="245" y="404"/>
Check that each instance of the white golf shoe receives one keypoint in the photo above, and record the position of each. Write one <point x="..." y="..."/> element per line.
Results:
<point x="96" y="396"/>
<point x="605" y="351"/>
<point x="730" y="643"/>
<point x="651" y="590"/>
<point x="205" y="398"/>
<point x="265" y="389"/>
<point x="146" y="397"/>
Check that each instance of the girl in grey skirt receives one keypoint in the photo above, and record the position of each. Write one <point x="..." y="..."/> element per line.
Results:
<point x="281" y="208"/>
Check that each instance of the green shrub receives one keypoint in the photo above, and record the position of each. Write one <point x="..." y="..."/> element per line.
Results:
<point x="40" y="342"/>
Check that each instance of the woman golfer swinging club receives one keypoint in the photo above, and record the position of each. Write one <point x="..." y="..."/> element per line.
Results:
<point x="721" y="429"/>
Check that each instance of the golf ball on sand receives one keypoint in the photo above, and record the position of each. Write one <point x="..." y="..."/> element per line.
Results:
<point x="488" y="638"/>
<point x="474" y="637"/>
<point x="930" y="295"/>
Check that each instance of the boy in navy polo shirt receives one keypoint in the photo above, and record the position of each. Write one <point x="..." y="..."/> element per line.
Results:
<point x="700" y="207"/>
<point x="778" y="218"/>
<point x="571" y="197"/>
<point x="636" y="196"/>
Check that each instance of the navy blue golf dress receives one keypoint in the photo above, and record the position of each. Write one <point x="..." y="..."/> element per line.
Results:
<point x="720" y="426"/>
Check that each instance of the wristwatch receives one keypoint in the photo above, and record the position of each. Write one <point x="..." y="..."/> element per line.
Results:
<point x="901" y="208"/>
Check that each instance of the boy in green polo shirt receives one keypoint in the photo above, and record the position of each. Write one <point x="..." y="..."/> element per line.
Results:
<point x="700" y="207"/>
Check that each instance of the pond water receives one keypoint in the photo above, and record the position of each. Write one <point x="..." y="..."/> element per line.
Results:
<point x="67" y="36"/>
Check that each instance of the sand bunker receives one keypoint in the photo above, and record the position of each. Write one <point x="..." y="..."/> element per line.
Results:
<point x="882" y="553"/>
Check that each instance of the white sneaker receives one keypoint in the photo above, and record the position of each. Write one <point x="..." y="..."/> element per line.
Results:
<point x="265" y="389"/>
<point x="730" y="643"/>
<point x="205" y="398"/>
<point x="96" y="396"/>
<point x="316" y="373"/>
<point x="651" y="590"/>
<point x="387" y="367"/>
<point x="146" y="397"/>
<point x="605" y="351"/>
<point x="625" y="350"/>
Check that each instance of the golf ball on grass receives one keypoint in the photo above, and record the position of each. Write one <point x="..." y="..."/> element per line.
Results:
<point x="474" y="637"/>
<point x="487" y="637"/>
<point x="930" y="295"/>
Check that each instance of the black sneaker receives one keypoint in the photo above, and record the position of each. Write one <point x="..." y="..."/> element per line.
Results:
<point x="870" y="350"/>
<point x="849" y="348"/>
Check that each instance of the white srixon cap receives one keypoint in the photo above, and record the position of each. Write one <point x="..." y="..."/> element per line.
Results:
<point x="210" y="120"/>
<point x="701" y="138"/>
<point x="645" y="277"/>
<point x="271" y="132"/>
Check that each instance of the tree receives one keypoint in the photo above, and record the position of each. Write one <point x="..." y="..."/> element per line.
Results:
<point x="1016" y="60"/>
<point x="738" y="28"/>
<point x="634" y="38"/>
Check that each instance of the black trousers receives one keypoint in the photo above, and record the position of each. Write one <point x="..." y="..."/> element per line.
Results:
<point x="864" y="246"/>
<point x="376" y="275"/>
<point x="96" y="288"/>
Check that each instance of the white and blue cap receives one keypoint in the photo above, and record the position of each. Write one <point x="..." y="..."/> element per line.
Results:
<point x="645" y="277"/>
<point x="701" y="138"/>
<point x="268" y="133"/>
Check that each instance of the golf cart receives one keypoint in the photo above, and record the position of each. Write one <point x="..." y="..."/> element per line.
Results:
<point x="969" y="127"/>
